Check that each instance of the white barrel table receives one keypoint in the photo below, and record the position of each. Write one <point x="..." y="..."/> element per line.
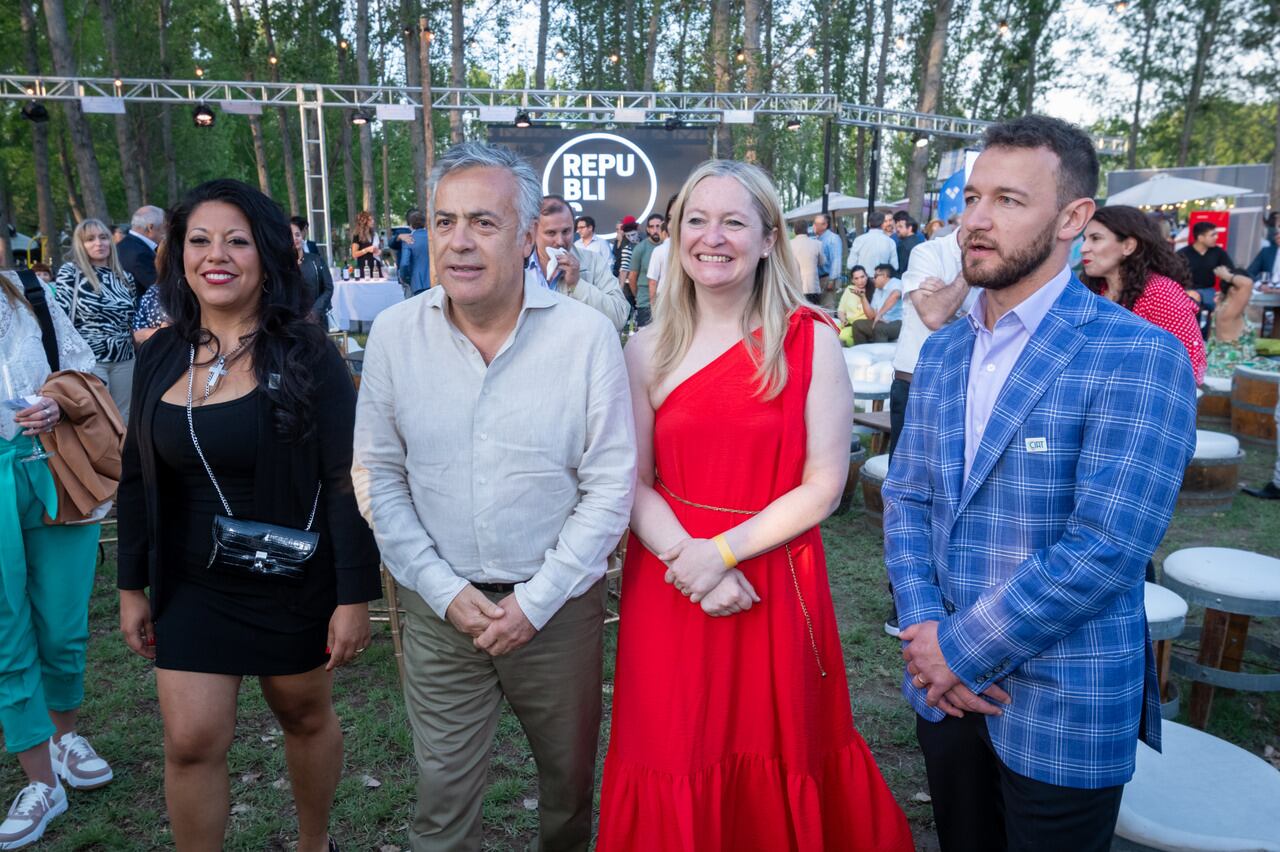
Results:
<point x="1199" y="794"/>
<point x="1233" y="586"/>
<point x="1213" y="408"/>
<point x="1166" y="619"/>
<point x="873" y="473"/>
<point x="1212" y="479"/>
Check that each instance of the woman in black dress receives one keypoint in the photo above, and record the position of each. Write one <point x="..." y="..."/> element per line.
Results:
<point x="267" y="397"/>
<point x="364" y="247"/>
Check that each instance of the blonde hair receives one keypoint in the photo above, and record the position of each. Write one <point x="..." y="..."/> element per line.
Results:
<point x="83" y="262"/>
<point x="775" y="292"/>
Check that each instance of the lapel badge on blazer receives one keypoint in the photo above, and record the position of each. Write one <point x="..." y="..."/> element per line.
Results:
<point x="1036" y="445"/>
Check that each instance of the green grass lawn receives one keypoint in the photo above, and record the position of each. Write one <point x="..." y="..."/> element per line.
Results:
<point x="375" y="798"/>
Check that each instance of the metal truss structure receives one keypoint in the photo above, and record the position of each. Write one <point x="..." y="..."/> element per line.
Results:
<point x="545" y="105"/>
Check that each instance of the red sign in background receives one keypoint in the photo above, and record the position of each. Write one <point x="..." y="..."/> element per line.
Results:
<point x="1221" y="218"/>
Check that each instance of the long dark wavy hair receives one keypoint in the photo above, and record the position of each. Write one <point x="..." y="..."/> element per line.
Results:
<point x="1153" y="254"/>
<point x="288" y="346"/>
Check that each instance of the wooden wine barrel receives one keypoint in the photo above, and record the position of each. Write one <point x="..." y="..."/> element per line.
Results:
<point x="1214" y="407"/>
<point x="1253" y="405"/>
<point x="1213" y="476"/>
<point x="857" y="456"/>
<point x="872" y="475"/>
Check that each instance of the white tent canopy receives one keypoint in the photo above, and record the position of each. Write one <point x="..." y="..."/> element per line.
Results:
<point x="837" y="203"/>
<point x="1167" y="189"/>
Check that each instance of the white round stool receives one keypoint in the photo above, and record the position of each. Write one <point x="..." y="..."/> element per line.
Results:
<point x="1199" y="793"/>
<point x="1166" y="618"/>
<point x="1213" y="407"/>
<point x="1212" y="477"/>
<point x="872" y="475"/>
<point x="877" y="351"/>
<point x="1233" y="586"/>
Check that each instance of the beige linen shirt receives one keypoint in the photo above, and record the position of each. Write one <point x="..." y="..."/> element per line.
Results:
<point x="521" y="471"/>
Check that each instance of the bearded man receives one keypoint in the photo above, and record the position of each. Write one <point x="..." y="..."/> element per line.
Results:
<point x="1044" y="445"/>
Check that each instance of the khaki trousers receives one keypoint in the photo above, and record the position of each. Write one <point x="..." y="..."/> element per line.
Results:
<point x="454" y="694"/>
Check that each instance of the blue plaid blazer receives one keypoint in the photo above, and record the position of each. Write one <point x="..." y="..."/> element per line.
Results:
<point x="1034" y="564"/>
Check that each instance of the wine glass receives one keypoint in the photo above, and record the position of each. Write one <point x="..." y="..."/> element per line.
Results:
<point x="38" y="452"/>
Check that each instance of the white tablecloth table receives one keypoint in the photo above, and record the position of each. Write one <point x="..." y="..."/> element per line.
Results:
<point x="361" y="301"/>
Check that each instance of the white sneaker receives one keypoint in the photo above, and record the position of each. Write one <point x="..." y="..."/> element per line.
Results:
<point x="75" y="762"/>
<point x="31" y="811"/>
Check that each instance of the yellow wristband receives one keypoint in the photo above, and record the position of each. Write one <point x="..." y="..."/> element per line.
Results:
<point x="726" y="552"/>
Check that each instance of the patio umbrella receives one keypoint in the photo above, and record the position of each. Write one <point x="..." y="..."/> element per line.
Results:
<point x="837" y="203"/>
<point x="1167" y="189"/>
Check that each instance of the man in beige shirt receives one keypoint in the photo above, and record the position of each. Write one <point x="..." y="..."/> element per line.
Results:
<point x="495" y="460"/>
<point x="808" y="253"/>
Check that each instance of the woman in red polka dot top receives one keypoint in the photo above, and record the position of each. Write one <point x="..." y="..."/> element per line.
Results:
<point x="1127" y="261"/>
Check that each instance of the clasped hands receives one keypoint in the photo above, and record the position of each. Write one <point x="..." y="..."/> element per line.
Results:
<point x="929" y="671"/>
<point x="495" y="628"/>
<point x="696" y="569"/>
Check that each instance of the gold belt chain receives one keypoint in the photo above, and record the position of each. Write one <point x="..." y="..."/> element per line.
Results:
<point x="795" y="581"/>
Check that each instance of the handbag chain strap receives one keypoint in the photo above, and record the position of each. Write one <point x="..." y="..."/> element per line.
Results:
<point x="191" y="427"/>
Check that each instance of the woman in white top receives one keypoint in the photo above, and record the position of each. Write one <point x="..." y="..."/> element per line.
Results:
<point x="46" y="577"/>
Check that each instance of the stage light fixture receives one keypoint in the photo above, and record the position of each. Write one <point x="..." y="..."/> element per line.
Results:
<point x="613" y="57"/>
<point x="361" y="117"/>
<point x="673" y="122"/>
<point x="793" y="123"/>
<point x="522" y="119"/>
<point x="1002" y="29"/>
<point x="35" y="111"/>
<point x="811" y="51"/>
<point x="273" y="59"/>
<point x="922" y="142"/>
<point x="202" y="116"/>
<point x="343" y="44"/>
<point x="560" y="54"/>
<point x="740" y="54"/>
<point x="427" y="34"/>
<point x="199" y="72"/>
<point x="1121" y="7"/>
<point x="900" y="42"/>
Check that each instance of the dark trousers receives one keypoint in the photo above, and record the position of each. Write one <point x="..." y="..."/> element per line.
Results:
<point x="980" y="805"/>
<point x="898" y="392"/>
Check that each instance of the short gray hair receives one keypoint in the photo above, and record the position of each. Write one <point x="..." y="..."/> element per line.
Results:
<point x="475" y="155"/>
<point x="145" y="217"/>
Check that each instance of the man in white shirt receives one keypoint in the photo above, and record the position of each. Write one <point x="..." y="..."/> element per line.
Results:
<point x="934" y="293"/>
<point x="497" y="479"/>
<point x="579" y="274"/>
<point x="808" y="254"/>
<point x="657" y="265"/>
<point x="873" y="248"/>
<point x="586" y="228"/>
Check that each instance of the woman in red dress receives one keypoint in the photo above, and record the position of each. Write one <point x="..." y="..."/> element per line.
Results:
<point x="731" y="727"/>
<point x="1126" y="260"/>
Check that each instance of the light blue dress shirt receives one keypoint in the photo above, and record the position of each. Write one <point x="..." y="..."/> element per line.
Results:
<point x="996" y="351"/>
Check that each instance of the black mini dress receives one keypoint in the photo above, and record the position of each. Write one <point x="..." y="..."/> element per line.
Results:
<point x="210" y="621"/>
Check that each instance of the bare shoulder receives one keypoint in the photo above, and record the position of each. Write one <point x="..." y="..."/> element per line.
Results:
<point x="639" y="352"/>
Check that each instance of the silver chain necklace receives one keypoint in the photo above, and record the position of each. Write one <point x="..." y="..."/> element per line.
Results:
<point x="219" y="368"/>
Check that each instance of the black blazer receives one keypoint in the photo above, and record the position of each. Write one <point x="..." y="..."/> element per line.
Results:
<point x="345" y="568"/>
<point x="318" y="283"/>
<point x="139" y="260"/>
<point x="1263" y="261"/>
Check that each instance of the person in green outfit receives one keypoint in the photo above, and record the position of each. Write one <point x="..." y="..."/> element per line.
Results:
<point x="638" y="277"/>
<point x="46" y="577"/>
<point x="1232" y="338"/>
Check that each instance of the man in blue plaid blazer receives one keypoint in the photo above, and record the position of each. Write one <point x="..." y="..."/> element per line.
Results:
<point x="1045" y="441"/>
